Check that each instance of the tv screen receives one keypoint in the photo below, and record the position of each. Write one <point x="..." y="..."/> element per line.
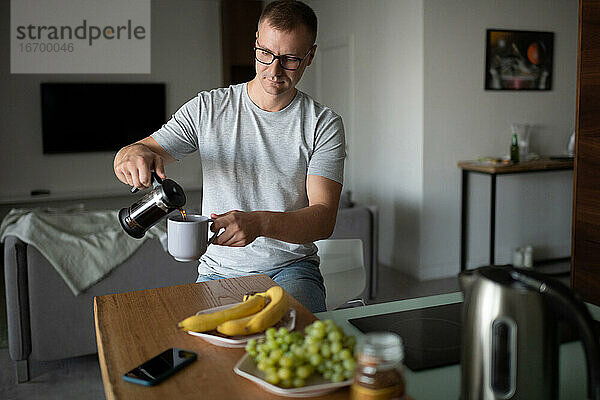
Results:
<point x="87" y="117"/>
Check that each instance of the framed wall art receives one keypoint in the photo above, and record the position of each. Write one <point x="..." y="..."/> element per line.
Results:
<point x="518" y="60"/>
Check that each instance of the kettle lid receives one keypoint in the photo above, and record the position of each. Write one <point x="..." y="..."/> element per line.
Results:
<point x="502" y="275"/>
<point x="173" y="193"/>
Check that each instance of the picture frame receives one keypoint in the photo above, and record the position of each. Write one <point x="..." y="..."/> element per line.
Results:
<point x="518" y="60"/>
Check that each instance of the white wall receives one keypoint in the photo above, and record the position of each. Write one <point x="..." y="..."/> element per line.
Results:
<point x="385" y="126"/>
<point x="463" y="121"/>
<point x="419" y="107"/>
<point x="186" y="55"/>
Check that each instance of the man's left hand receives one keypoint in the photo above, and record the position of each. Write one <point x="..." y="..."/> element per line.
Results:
<point x="241" y="228"/>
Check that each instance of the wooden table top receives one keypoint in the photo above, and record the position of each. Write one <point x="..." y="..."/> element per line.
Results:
<point x="135" y="326"/>
<point x="544" y="164"/>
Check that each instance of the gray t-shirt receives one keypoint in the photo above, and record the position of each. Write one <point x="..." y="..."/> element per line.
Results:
<point x="255" y="160"/>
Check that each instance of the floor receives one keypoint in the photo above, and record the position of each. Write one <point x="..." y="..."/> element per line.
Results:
<point x="79" y="378"/>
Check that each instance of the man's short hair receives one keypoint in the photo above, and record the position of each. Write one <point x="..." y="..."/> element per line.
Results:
<point x="287" y="15"/>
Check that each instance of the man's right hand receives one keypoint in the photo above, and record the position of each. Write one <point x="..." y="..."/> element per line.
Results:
<point x="133" y="164"/>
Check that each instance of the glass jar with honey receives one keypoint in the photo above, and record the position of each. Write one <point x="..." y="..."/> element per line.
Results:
<point x="379" y="370"/>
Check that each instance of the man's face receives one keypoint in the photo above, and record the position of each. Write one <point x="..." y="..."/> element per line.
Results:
<point x="273" y="79"/>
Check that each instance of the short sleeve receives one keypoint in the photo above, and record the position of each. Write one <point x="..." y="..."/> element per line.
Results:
<point x="179" y="136"/>
<point x="329" y="151"/>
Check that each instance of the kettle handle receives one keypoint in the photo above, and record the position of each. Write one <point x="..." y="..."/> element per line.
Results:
<point x="156" y="180"/>
<point x="570" y="308"/>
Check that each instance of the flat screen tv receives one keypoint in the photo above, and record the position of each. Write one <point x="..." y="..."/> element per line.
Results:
<point x="95" y="117"/>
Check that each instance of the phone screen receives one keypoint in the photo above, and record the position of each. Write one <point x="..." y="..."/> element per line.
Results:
<point x="160" y="367"/>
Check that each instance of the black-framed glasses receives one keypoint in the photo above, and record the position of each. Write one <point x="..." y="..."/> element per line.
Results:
<point x="291" y="63"/>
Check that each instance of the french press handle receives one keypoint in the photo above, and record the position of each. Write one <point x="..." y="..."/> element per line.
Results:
<point x="156" y="180"/>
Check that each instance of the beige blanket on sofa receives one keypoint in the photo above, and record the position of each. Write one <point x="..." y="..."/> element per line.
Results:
<point x="83" y="246"/>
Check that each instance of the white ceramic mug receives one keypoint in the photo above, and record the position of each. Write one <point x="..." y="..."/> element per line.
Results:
<point x="188" y="240"/>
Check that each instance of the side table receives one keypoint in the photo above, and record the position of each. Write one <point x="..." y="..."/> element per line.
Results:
<point x="493" y="170"/>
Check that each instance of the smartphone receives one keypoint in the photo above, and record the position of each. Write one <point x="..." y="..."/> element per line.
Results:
<point x="160" y="367"/>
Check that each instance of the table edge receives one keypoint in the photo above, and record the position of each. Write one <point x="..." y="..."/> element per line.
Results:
<point x="542" y="165"/>
<point x="108" y="386"/>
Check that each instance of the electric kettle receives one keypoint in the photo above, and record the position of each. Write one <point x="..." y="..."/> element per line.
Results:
<point x="510" y="337"/>
<point x="166" y="196"/>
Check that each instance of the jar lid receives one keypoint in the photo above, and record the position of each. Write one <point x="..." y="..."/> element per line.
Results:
<point x="385" y="347"/>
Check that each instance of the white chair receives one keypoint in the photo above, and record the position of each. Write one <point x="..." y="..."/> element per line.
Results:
<point x="343" y="270"/>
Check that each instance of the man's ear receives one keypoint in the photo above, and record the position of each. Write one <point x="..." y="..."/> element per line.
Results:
<point x="311" y="55"/>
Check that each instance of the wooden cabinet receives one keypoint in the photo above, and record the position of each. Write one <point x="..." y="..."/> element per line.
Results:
<point x="585" y="267"/>
<point x="239" y="21"/>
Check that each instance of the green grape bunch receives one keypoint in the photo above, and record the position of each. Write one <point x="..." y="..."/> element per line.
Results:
<point x="288" y="359"/>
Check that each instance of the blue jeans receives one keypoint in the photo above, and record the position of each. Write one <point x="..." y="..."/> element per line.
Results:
<point x="302" y="280"/>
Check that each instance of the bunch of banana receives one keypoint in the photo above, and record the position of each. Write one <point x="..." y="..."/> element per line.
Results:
<point x="207" y="322"/>
<point x="266" y="318"/>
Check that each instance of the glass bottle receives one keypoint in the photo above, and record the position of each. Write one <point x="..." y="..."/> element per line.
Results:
<point x="528" y="256"/>
<point x="379" y="370"/>
<point x="514" y="149"/>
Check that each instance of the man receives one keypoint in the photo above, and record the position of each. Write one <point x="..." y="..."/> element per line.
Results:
<point x="263" y="145"/>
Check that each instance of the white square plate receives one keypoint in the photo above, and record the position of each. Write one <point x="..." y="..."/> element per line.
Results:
<point x="218" y="339"/>
<point x="315" y="385"/>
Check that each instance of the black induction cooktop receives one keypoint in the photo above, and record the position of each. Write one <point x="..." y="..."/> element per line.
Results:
<point x="431" y="335"/>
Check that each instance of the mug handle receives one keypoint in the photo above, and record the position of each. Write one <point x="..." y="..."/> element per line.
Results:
<point x="212" y="239"/>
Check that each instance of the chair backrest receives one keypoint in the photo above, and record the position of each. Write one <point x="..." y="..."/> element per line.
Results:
<point x="343" y="270"/>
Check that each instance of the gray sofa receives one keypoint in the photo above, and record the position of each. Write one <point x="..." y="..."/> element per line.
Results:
<point x="47" y="322"/>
